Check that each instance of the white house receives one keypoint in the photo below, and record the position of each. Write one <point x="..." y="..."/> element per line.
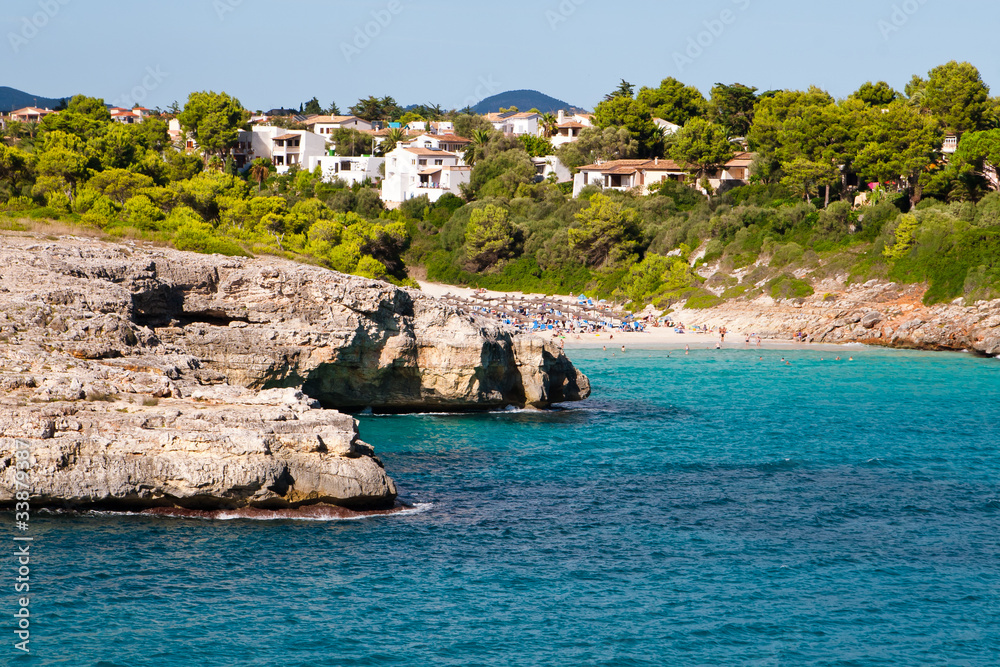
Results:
<point x="130" y="116"/>
<point x="445" y="142"/>
<point x="568" y="128"/>
<point x="284" y="148"/>
<point x="550" y="164"/>
<point x="351" y="170"/>
<point x="667" y="127"/>
<point x="623" y="175"/>
<point x="411" y="172"/>
<point x="327" y="125"/>
<point x="516" y="124"/>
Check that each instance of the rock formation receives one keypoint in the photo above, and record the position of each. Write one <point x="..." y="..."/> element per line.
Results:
<point x="875" y="313"/>
<point x="146" y="377"/>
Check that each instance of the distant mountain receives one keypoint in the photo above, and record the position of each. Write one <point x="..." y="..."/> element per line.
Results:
<point x="523" y="100"/>
<point x="11" y="99"/>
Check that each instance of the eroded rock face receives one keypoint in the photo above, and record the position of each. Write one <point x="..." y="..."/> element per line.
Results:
<point x="153" y="378"/>
<point x="262" y="323"/>
<point x="875" y="313"/>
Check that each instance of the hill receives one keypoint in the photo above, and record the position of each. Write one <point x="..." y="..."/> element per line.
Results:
<point x="523" y="100"/>
<point x="11" y="99"/>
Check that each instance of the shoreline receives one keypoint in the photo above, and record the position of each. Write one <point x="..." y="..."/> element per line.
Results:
<point x="876" y="313"/>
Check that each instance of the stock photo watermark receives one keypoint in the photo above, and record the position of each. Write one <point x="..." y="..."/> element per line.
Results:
<point x="562" y="13"/>
<point x="224" y="7"/>
<point x="152" y="79"/>
<point x="21" y="492"/>
<point x="715" y="28"/>
<point x="365" y="34"/>
<point x="32" y="25"/>
<point x="900" y="16"/>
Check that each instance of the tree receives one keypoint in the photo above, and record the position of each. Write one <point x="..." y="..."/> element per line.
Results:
<point x="879" y="94"/>
<point x="624" y="89"/>
<point x="701" y="146"/>
<point x="803" y="176"/>
<point x="334" y="110"/>
<point x="466" y="124"/>
<point x="673" y="101"/>
<point x="14" y="165"/>
<point x="215" y="120"/>
<point x="490" y="237"/>
<point x="635" y="117"/>
<point x="733" y="107"/>
<point x="477" y="149"/>
<point x="500" y="172"/>
<point x="606" y="232"/>
<point x="900" y="143"/>
<point x="956" y="95"/>
<point x="85" y="117"/>
<point x="119" y="185"/>
<point x="612" y="143"/>
<point x="350" y="142"/>
<point x="312" y="107"/>
<point x="377" y="108"/>
<point x="536" y="146"/>
<point x="260" y="169"/>
<point x="979" y="152"/>
<point x="393" y="138"/>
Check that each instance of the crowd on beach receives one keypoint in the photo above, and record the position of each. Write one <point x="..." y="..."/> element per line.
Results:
<point x="563" y="317"/>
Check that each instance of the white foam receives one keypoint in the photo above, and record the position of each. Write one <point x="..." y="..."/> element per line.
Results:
<point x="417" y="508"/>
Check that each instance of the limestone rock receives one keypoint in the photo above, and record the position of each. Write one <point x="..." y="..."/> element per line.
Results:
<point x="225" y="449"/>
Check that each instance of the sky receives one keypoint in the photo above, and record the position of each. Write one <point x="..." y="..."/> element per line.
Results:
<point x="458" y="52"/>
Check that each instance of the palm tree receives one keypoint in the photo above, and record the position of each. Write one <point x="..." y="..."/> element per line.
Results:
<point x="259" y="172"/>
<point x="480" y="138"/>
<point x="549" y="122"/>
<point x="392" y="138"/>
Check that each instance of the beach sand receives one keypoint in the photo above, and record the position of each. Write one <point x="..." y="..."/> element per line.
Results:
<point x="652" y="338"/>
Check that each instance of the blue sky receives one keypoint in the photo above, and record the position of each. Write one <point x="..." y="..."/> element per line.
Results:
<point x="453" y="52"/>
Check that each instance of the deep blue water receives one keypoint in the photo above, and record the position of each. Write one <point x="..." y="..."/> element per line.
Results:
<point x="711" y="509"/>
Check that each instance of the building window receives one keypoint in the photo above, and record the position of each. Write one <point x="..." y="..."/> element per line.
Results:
<point x="423" y="163"/>
<point x="438" y="163"/>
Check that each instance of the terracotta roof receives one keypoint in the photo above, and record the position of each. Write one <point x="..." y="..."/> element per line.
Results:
<point x="631" y="166"/>
<point x="428" y="151"/>
<point x="571" y="124"/>
<point x="430" y="172"/>
<point x="525" y="114"/>
<point x="287" y="136"/>
<point x="331" y="119"/>
<point x="445" y="138"/>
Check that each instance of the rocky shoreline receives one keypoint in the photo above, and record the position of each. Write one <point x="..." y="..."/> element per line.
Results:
<point x="144" y="377"/>
<point x="874" y="313"/>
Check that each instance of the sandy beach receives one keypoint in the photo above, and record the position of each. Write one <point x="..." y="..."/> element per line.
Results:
<point x="652" y="338"/>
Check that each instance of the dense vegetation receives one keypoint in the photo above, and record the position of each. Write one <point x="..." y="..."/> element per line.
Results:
<point x="927" y="218"/>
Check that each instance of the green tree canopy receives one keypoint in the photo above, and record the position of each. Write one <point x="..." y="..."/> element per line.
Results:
<point x="879" y="94"/>
<point x="490" y="237"/>
<point x="215" y="120"/>
<point x="900" y="143"/>
<point x="635" y="117"/>
<point x="611" y="143"/>
<point x="732" y="107"/>
<point x="956" y="95"/>
<point x="605" y="232"/>
<point x="673" y="101"/>
<point x="700" y="146"/>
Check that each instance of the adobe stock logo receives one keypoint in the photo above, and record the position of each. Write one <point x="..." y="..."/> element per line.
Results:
<point x="365" y="34"/>
<point x="32" y="25"/>
<point x="901" y="15"/>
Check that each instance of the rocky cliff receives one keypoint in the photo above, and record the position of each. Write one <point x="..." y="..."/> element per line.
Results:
<point x="876" y="313"/>
<point x="145" y="377"/>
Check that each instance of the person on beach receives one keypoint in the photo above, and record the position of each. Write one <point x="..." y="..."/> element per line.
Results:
<point x="687" y="349"/>
<point x="623" y="349"/>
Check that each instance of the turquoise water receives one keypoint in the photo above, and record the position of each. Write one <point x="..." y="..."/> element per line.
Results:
<point x="711" y="509"/>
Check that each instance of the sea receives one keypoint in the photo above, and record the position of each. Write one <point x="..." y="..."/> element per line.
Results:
<point x="722" y="507"/>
